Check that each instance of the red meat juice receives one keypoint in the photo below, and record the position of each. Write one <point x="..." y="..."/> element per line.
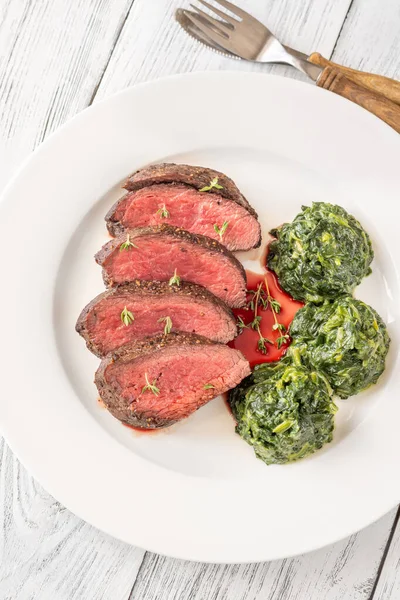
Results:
<point x="248" y="339"/>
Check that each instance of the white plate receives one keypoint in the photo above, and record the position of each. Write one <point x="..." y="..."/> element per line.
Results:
<point x="195" y="491"/>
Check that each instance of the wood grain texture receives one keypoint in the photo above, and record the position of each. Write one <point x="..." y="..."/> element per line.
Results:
<point x="52" y="55"/>
<point x="161" y="48"/>
<point x="46" y="553"/>
<point x="333" y="80"/>
<point x="344" y="570"/>
<point x="390" y="88"/>
<point x="370" y="38"/>
<point x="388" y="585"/>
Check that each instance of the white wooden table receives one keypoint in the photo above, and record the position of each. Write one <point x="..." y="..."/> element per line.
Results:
<point x="56" y="58"/>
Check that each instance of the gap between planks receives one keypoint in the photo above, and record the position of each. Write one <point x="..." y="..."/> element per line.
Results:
<point x="384" y="555"/>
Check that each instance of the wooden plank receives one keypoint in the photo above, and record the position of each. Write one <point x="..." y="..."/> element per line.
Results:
<point x="388" y="584"/>
<point x="47" y="553"/>
<point x="370" y="38"/>
<point x="52" y="55"/>
<point x="160" y="47"/>
<point x="344" y="570"/>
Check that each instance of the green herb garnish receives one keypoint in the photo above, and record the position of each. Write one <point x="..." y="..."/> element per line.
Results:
<point x="208" y="386"/>
<point x="213" y="184"/>
<point x="275" y="305"/>
<point x="221" y="230"/>
<point x="282" y="339"/>
<point x="127" y="317"/>
<point x="168" y="324"/>
<point x="240" y="324"/>
<point x="127" y="244"/>
<point x="255" y="324"/>
<point x="262" y="343"/>
<point x="151" y="387"/>
<point x="175" y="279"/>
<point x="258" y="295"/>
<point x="163" y="212"/>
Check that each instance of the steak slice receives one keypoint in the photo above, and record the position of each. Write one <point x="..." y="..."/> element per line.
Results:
<point x="184" y="206"/>
<point x="190" y="307"/>
<point x="156" y="253"/>
<point x="158" y="381"/>
<point x="197" y="177"/>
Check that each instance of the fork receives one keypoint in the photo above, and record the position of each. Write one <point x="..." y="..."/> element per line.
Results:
<point x="248" y="38"/>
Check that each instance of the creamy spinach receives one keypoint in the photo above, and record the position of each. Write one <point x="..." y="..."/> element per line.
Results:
<point x="345" y="339"/>
<point x="339" y="344"/>
<point x="284" y="410"/>
<point x="323" y="252"/>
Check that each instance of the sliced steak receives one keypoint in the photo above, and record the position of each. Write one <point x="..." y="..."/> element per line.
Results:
<point x="158" y="381"/>
<point x="184" y="206"/>
<point x="156" y="253"/>
<point x="106" y="325"/>
<point x="197" y="177"/>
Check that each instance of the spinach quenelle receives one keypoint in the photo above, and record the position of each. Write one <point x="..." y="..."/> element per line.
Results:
<point x="345" y="339"/>
<point x="338" y="344"/>
<point x="323" y="252"/>
<point x="284" y="410"/>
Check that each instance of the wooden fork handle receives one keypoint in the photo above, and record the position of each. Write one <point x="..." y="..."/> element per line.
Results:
<point x="390" y="88"/>
<point x="333" y="80"/>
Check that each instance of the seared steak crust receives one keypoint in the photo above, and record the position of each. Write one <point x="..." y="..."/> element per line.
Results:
<point x="189" y="209"/>
<point x="146" y="296"/>
<point x="197" y="177"/>
<point x="121" y="375"/>
<point x="211" y="247"/>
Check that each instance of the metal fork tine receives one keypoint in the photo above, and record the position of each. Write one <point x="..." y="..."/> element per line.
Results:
<point x="218" y="12"/>
<point x="209" y="31"/>
<point x="234" y="9"/>
<point x="218" y="25"/>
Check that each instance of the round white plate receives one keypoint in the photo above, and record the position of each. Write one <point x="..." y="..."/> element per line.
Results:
<point x="194" y="491"/>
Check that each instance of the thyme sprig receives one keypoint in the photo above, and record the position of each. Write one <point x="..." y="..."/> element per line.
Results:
<point x="284" y="337"/>
<point x="168" y="324"/>
<point x="264" y="299"/>
<point x="255" y="324"/>
<point x="151" y="387"/>
<point x="259" y="297"/>
<point x="175" y="279"/>
<point x="241" y="325"/>
<point x="127" y="244"/>
<point x="221" y="230"/>
<point x="213" y="184"/>
<point x="163" y="212"/>
<point x="275" y="305"/>
<point x="127" y="317"/>
<point x="278" y="327"/>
